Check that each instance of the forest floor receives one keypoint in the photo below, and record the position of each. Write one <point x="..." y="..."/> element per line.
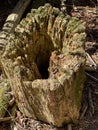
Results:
<point x="89" y="109"/>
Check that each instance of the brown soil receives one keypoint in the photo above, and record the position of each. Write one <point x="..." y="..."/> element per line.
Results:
<point x="88" y="121"/>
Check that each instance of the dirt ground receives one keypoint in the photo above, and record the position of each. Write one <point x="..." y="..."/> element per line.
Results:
<point x="89" y="109"/>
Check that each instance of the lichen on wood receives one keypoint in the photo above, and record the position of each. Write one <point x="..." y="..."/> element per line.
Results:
<point x="44" y="61"/>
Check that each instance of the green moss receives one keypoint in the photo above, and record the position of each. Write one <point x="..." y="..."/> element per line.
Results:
<point x="74" y="26"/>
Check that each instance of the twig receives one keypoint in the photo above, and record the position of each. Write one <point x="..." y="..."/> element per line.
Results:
<point x="91" y="59"/>
<point x="92" y="77"/>
<point x="93" y="63"/>
<point x="6" y="119"/>
<point x="69" y="127"/>
<point x="91" y="102"/>
<point x="84" y="111"/>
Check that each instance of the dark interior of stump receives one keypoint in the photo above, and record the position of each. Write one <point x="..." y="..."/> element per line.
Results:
<point x="42" y="49"/>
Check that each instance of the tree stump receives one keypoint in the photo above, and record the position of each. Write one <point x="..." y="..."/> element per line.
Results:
<point x="44" y="61"/>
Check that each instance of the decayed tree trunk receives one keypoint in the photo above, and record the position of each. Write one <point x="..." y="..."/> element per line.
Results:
<point x="44" y="62"/>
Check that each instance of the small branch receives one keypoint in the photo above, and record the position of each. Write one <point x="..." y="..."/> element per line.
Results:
<point x="84" y="111"/>
<point x="91" y="59"/>
<point x="6" y="119"/>
<point x="92" y="77"/>
<point x="93" y="64"/>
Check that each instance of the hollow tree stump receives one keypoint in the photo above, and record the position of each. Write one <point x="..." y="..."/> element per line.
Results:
<point x="44" y="62"/>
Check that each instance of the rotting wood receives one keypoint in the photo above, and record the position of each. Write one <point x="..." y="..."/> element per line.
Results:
<point x="12" y="21"/>
<point x="47" y="40"/>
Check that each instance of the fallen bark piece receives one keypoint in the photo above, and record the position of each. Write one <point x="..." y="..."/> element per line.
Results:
<point x="45" y="62"/>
